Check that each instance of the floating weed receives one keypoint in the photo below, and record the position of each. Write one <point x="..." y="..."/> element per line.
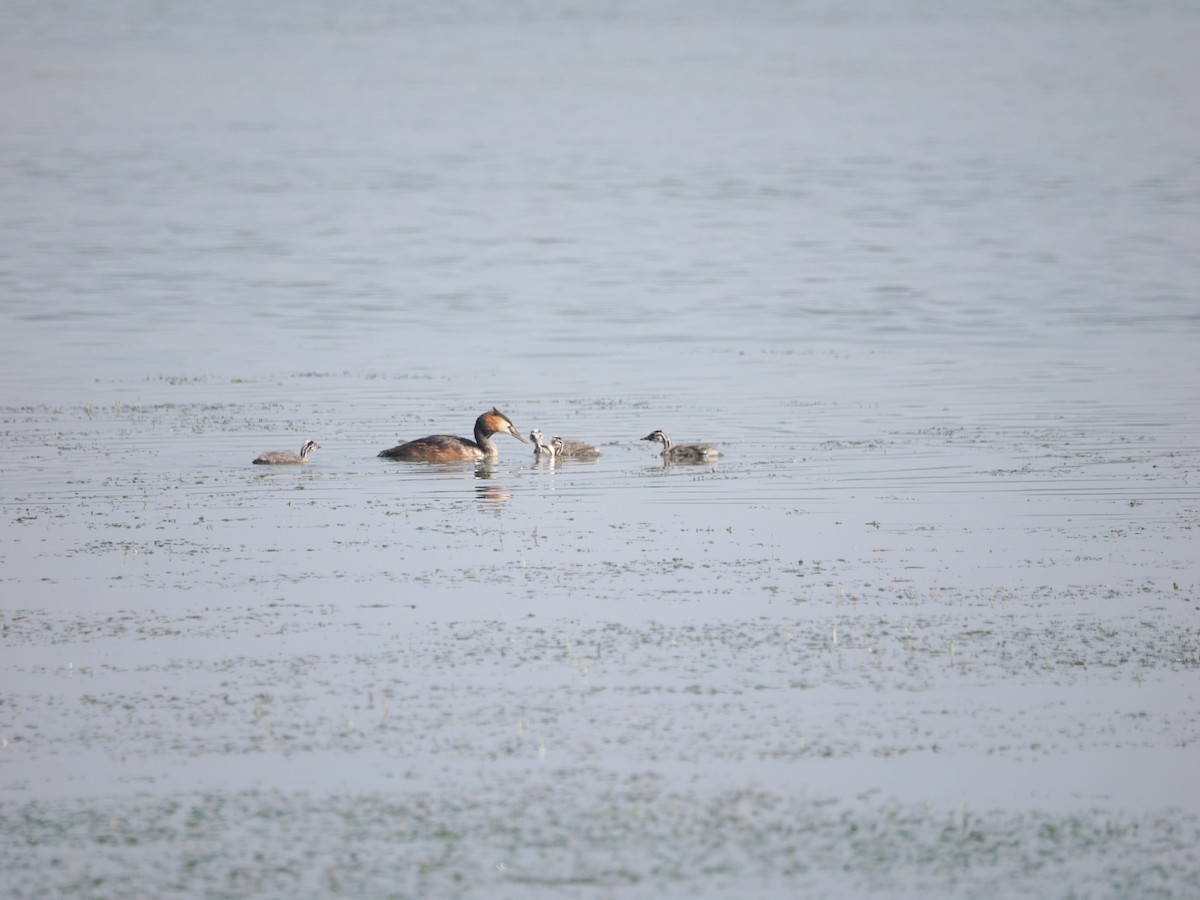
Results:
<point x="628" y="830"/>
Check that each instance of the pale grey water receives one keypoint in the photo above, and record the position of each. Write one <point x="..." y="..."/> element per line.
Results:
<point x="925" y="272"/>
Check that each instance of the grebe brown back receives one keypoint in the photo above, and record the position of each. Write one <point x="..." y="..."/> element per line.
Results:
<point x="287" y="457"/>
<point x="446" y="447"/>
<point x="684" y="453"/>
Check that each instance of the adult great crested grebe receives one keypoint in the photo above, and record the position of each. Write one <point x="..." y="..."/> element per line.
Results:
<point x="447" y="447"/>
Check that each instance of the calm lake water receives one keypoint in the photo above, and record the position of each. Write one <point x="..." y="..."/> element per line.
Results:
<point x="925" y="272"/>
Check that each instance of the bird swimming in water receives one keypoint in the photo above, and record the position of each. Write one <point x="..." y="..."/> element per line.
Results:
<point x="683" y="453"/>
<point x="557" y="447"/>
<point x="541" y="447"/>
<point x="447" y="447"/>
<point x="573" y="449"/>
<point x="287" y="457"/>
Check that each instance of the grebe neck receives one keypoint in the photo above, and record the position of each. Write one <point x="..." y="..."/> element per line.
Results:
<point x="483" y="438"/>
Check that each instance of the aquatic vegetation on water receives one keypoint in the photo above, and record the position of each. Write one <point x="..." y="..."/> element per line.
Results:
<point x="630" y="834"/>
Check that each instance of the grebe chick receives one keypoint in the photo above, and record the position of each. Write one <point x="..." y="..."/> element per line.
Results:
<point x="540" y="446"/>
<point x="684" y="453"/>
<point x="287" y="457"/>
<point x="445" y="447"/>
<point x="574" y="449"/>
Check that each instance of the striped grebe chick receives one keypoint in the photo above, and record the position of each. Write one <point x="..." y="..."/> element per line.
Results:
<point x="447" y="447"/>
<point x="287" y="457"/>
<point x="573" y="449"/>
<point x="683" y="453"/>
<point x="541" y="447"/>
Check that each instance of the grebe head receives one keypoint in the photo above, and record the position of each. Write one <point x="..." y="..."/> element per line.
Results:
<point x="495" y="422"/>
<point x="658" y="435"/>
<point x="309" y="447"/>
<point x="540" y="446"/>
<point x="557" y="445"/>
